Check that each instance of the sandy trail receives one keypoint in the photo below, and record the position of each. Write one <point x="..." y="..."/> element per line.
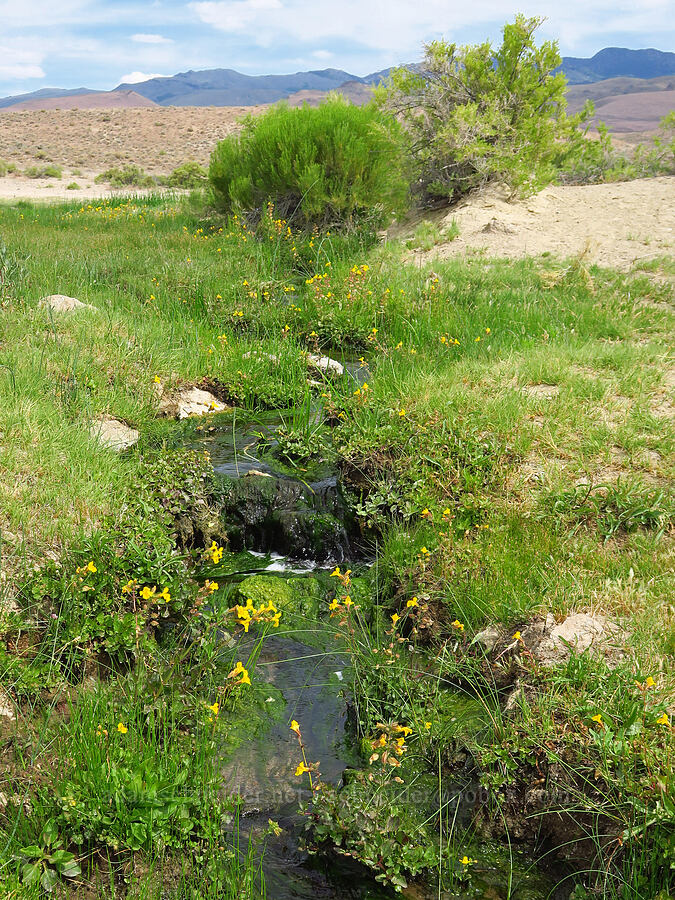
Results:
<point x="619" y="224"/>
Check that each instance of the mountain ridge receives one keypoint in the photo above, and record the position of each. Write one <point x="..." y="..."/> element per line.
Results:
<point x="227" y="87"/>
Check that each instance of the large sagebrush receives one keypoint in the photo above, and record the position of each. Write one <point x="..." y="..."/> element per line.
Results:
<point x="335" y="165"/>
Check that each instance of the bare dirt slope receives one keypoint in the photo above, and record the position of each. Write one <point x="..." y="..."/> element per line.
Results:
<point x="100" y="100"/>
<point x="157" y="138"/>
<point x="616" y="224"/>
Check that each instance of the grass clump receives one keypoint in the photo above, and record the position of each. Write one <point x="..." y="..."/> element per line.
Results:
<point x="189" y="175"/>
<point x="6" y="168"/>
<point x="333" y="166"/>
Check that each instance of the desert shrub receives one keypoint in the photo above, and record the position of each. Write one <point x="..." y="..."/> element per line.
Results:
<point x="129" y="176"/>
<point x="6" y="168"/>
<point x="594" y="160"/>
<point x="189" y="175"/>
<point x="473" y="114"/>
<point x="50" y="171"/>
<point x="73" y="186"/>
<point x="334" y="165"/>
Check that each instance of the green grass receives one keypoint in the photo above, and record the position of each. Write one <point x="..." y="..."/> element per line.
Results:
<point x="515" y="424"/>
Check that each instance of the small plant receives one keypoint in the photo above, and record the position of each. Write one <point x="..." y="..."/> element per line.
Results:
<point x="47" y="862"/>
<point x="189" y="175"/>
<point x="129" y="176"/>
<point x="73" y="186"/>
<point x="6" y="168"/>
<point x="50" y="171"/>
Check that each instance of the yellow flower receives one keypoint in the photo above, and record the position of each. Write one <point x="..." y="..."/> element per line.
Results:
<point x="425" y="512"/>
<point x="302" y="768"/>
<point x="517" y="636"/>
<point x="412" y="602"/>
<point x="458" y="625"/>
<point x="467" y="861"/>
<point x="165" y="595"/>
<point x="663" y="720"/>
<point x="447" y="512"/>
<point x="295" y="727"/>
<point x="401" y="413"/>
<point x="245" y="678"/>
<point x="90" y="567"/>
<point x="336" y="572"/>
<point x="424" y="551"/>
<point x="650" y="682"/>
<point x="212" y="585"/>
<point x="333" y="605"/>
<point x="122" y="728"/>
<point x="427" y="725"/>
<point x="147" y="592"/>
<point x="158" y="380"/>
<point x="348" y="601"/>
<point x="597" y="718"/>
<point x="395" y="618"/>
<point x="129" y="586"/>
<point x="214" y="708"/>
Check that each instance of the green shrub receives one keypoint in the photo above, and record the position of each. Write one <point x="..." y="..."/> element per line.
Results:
<point x="129" y="176"/>
<point x="189" y="175"/>
<point x="6" y="168"/>
<point x="73" y="186"/>
<point x="474" y="114"/>
<point x="335" y="165"/>
<point x="50" y="171"/>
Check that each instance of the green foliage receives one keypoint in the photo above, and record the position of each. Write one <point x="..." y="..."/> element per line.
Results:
<point x="332" y="166"/>
<point x="474" y="114"/>
<point x="50" y="171"/>
<point x="129" y="176"/>
<point x="46" y="862"/>
<point x="6" y="168"/>
<point x="73" y="186"/>
<point x="189" y="175"/>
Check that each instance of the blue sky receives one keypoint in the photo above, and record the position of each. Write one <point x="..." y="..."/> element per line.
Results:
<point x="71" y="43"/>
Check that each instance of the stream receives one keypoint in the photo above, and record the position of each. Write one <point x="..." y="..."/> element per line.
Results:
<point x="294" y="523"/>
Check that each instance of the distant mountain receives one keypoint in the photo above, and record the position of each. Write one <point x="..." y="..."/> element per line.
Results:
<point x="617" y="62"/>
<point x="225" y="87"/>
<point x="43" y="94"/>
<point x="87" y="100"/>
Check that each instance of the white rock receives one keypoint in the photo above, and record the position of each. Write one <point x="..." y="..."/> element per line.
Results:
<point x="326" y="364"/>
<point x="61" y="303"/>
<point x="6" y="706"/>
<point x="113" y="434"/>
<point x="191" y="402"/>
<point x="578" y="632"/>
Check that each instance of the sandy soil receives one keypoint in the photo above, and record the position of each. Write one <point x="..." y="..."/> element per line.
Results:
<point x="616" y="224"/>
<point x="46" y="189"/>
<point x="91" y="140"/>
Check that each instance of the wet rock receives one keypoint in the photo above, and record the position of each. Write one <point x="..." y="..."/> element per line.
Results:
<point x="113" y="433"/>
<point x="285" y="516"/>
<point x="579" y="632"/>
<point x="62" y="303"/>
<point x="190" y="402"/>
<point x="326" y="365"/>
<point x="300" y="596"/>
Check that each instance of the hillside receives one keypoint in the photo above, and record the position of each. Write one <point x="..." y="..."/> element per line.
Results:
<point x="89" y="100"/>
<point x="613" y="62"/>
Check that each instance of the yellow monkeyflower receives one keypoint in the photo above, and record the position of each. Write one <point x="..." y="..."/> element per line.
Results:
<point x="395" y="617"/>
<point x="401" y="413"/>
<point x="650" y="682"/>
<point x="348" y="601"/>
<point x="427" y="725"/>
<point x="424" y="551"/>
<point x="333" y="605"/>
<point x="212" y="585"/>
<point x="165" y="595"/>
<point x="147" y="592"/>
<point x="597" y="718"/>
<point x="467" y="861"/>
<point x="245" y="677"/>
<point x="122" y="728"/>
<point x="458" y="625"/>
<point x="517" y="636"/>
<point x="663" y="719"/>
<point x="412" y="602"/>
<point x="302" y="768"/>
<point x="158" y="380"/>
<point x="295" y="727"/>
<point x="336" y="572"/>
<point x="90" y="567"/>
<point x="214" y="708"/>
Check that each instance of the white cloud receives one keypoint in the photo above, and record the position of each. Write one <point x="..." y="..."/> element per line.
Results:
<point x="322" y="54"/>
<point x="234" y="15"/>
<point x="150" y="39"/>
<point x="138" y="77"/>
<point x="19" y="60"/>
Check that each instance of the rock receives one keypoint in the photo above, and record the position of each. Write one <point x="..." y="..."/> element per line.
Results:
<point x="256" y="472"/>
<point x="190" y="402"/>
<point x="61" y="303"/>
<point x="326" y="364"/>
<point x="496" y="225"/>
<point x="258" y="354"/>
<point x="6" y="706"/>
<point x="579" y="632"/>
<point x="300" y="596"/>
<point x="545" y="391"/>
<point x="113" y="433"/>
<point x="488" y="638"/>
